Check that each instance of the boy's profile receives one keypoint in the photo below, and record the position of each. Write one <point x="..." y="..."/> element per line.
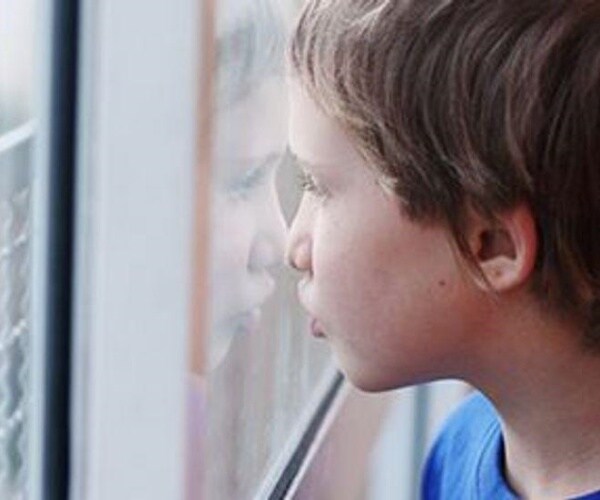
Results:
<point x="450" y="225"/>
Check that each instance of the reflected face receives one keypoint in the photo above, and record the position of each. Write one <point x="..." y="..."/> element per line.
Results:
<point x="387" y="293"/>
<point x="248" y="230"/>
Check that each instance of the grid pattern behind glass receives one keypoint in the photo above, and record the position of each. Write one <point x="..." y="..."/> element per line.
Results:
<point x="17" y="123"/>
<point x="15" y="244"/>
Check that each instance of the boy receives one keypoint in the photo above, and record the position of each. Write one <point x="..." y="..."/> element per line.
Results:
<point x="450" y="155"/>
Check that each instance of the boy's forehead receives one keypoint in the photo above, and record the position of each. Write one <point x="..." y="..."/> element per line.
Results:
<point x="314" y="138"/>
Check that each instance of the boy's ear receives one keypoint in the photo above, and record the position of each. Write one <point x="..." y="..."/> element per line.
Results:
<point x="505" y="249"/>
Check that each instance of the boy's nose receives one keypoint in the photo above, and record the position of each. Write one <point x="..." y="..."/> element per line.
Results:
<point x="299" y="246"/>
<point x="298" y="256"/>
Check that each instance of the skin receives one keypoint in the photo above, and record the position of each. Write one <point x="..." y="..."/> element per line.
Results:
<point x="363" y="263"/>
<point x="397" y="307"/>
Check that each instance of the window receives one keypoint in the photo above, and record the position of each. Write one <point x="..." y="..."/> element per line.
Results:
<point x="151" y="344"/>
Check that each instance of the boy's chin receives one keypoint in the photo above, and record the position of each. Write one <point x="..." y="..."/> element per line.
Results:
<point x="364" y="380"/>
<point x="373" y="379"/>
<point x="373" y="385"/>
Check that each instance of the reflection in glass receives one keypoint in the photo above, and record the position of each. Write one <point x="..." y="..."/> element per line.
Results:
<point x="248" y="228"/>
<point x="261" y="368"/>
<point x="16" y="62"/>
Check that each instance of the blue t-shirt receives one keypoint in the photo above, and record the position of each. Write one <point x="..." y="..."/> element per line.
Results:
<point x="466" y="461"/>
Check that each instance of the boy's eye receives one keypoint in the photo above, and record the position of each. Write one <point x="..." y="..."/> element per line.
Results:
<point x="308" y="184"/>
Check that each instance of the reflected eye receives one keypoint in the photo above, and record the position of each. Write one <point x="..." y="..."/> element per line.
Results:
<point x="308" y="184"/>
<point x="252" y="179"/>
<point x="244" y="186"/>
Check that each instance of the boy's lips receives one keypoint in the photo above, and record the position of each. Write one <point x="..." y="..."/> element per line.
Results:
<point x="316" y="329"/>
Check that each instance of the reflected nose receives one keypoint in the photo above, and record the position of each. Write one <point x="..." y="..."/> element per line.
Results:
<point x="269" y="243"/>
<point x="298" y="245"/>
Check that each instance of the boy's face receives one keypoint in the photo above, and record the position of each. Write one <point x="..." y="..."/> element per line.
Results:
<point x="387" y="293"/>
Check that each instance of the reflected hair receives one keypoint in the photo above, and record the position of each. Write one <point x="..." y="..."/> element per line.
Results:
<point x="474" y="105"/>
<point x="250" y="47"/>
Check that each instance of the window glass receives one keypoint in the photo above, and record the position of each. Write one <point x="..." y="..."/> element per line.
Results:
<point x="16" y="62"/>
<point x="262" y="375"/>
<point x="16" y="134"/>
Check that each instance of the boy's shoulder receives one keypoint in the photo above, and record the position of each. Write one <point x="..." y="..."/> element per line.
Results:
<point x="466" y="459"/>
<point x="468" y="425"/>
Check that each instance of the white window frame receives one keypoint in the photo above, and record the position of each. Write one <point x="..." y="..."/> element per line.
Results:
<point x="134" y="244"/>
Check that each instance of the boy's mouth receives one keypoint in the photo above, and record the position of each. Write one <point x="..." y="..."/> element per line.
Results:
<point x="316" y="329"/>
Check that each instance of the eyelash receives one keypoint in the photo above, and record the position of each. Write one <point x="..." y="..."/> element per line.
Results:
<point x="308" y="184"/>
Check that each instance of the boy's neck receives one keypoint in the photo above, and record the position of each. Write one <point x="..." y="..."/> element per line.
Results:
<point x="544" y="387"/>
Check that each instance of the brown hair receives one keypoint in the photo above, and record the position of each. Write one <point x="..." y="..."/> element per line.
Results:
<point x="474" y="103"/>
